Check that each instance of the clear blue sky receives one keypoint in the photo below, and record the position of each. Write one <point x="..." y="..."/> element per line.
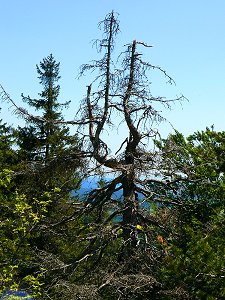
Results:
<point x="188" y="39"/>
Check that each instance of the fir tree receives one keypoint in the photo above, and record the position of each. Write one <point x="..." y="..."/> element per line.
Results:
<point x="48" y="153"/>
<point x="46" y="136"/>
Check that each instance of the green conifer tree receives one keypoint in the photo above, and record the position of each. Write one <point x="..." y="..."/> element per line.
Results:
<point x="46" y="147"/>
<point x="45" y="137"/>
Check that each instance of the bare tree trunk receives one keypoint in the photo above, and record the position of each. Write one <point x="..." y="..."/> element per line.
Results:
<point x="130" y="213"/>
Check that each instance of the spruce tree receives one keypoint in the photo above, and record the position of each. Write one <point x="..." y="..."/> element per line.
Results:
<point x="46" y="136"/>
<point x="47" y="151"/>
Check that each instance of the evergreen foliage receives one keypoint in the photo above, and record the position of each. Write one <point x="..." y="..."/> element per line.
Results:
<point x="47" y="136"/>
<point x="196" y="252"/>
<point x="46" y="148"/>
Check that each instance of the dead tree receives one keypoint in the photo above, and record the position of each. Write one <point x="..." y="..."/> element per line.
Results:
<point x="123" y="95"/>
